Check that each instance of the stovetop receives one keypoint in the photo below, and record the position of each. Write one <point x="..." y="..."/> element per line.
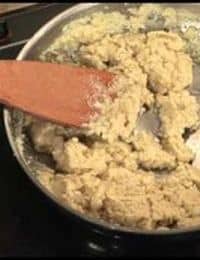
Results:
<point x="29" y="224"/>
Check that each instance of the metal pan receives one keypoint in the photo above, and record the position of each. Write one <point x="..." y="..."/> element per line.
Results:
<point x="14" y="120"/>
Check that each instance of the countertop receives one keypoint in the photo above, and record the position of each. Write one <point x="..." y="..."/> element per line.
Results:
<point x="6" y="7"/>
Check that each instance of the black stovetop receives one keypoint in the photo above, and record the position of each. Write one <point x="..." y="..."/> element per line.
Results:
<point x="29" y="224"/>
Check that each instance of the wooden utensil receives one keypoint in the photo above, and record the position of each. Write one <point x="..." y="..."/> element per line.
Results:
<point x="63" y="94"/>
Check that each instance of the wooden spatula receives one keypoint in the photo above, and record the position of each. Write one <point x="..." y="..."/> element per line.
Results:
<point x="63" y="94"/>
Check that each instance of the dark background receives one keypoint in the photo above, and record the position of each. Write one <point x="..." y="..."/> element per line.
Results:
<point x="29" y="224"/>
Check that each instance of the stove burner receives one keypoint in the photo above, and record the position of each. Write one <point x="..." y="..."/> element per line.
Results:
<point x="4" y="32"/>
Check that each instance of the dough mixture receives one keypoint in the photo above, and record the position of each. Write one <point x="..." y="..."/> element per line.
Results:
<point x="113" y="169"/>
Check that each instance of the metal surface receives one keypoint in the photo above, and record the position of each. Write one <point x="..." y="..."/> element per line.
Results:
<point x="14" y="119"/>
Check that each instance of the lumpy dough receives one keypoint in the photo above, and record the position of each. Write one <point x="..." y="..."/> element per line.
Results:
<point x="111" y="169"/>
<point x="178" y="112"/>
<point x="165" y="63"/>
<point x="150" y="153"/>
